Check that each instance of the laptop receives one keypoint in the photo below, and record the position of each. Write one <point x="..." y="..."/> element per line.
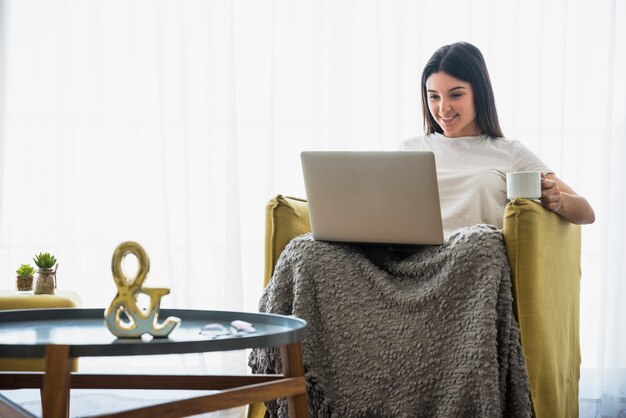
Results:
<point x="375" y="197"/>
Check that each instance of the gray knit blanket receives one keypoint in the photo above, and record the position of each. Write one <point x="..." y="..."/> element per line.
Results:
<point x="427" y="333"/>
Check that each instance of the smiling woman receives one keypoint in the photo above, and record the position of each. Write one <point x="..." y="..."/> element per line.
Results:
<point x="463" y="131"/>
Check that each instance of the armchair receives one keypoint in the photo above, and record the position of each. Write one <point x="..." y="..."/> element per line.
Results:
<point x="544" y="255"/>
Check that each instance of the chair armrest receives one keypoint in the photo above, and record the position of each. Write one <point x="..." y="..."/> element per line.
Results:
<point x="544" y="255"/>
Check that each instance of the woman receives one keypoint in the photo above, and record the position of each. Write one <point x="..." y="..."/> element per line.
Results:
<point x="472" y="155"/>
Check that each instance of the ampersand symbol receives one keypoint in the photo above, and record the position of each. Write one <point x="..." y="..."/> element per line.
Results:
<point x="141" y="321"/>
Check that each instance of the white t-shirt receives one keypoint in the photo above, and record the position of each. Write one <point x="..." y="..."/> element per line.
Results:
<point x="471" y="173"/>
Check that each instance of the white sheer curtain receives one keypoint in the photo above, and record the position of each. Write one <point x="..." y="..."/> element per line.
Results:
<point x="171" y="123"/>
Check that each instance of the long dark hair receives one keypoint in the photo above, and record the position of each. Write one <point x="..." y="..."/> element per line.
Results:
<point x="464" y="61"/>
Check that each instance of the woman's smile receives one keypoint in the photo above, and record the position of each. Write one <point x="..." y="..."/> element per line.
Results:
<point x="447" y="119"/>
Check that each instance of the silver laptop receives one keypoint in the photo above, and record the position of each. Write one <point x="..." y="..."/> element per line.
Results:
<point x="379" y="197"/>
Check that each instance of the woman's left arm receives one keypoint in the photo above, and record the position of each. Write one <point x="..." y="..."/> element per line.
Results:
<point x="562" y="199"/>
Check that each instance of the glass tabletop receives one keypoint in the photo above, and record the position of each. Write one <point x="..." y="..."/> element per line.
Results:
<point x="26" y="333"/>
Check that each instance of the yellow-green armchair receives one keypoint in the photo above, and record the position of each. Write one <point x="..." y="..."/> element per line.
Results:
<point x="544" y="255"/>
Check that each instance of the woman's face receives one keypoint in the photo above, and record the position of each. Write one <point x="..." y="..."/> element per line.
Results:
<point x="451" y="104"/>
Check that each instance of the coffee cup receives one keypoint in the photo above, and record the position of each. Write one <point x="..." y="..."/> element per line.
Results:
<point x="524" y="184"/>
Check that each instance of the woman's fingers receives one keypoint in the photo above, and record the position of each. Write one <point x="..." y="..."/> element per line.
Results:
<point x="550" y="195"/>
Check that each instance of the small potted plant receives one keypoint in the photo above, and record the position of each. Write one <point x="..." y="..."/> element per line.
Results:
<point x="46" y="274"/>
<point x="25" y="278"/>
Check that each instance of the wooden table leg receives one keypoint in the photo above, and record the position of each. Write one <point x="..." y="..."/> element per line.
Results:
<point x="56" y="382"/>
<point x="293" y="366"/>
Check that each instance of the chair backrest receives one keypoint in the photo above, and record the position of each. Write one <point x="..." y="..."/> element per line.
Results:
<point x="285" y="218"/>
<point x="544" y="254"/>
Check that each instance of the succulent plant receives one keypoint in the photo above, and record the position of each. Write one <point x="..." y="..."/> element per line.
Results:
<point x="25" y="270"/>
<point x="45" y="260"/>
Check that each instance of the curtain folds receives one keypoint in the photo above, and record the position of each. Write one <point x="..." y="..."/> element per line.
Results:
<point x="171" y="123"/>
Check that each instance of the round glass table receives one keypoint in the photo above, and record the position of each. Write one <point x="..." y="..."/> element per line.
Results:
<point x="59" y="335"/>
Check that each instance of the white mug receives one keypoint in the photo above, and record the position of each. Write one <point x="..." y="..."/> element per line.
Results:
<point x="525" y="184"/>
